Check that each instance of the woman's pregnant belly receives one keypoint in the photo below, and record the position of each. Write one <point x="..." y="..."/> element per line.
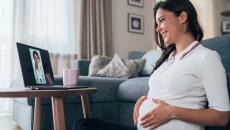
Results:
<point x="149" y="105"/>
<point x="145" y="107"/>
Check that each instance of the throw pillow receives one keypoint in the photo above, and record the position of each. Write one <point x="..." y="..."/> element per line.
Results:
<point x="151" y="58"/>
<point x="122" y="68"/>
<point x="97" y="63"/>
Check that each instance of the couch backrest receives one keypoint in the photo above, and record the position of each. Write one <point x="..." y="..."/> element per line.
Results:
<point x="135" y="54"/>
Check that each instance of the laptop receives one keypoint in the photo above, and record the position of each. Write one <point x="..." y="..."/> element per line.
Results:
<point x="36" y="68"/>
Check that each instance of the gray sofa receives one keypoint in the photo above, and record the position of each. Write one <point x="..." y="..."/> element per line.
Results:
<point x="114" y="99"/>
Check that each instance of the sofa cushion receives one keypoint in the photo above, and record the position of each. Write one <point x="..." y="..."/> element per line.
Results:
<point x="97" y="63"/>
<point x="132" y="89"/>
<point x="151" y="57"/>
<point x="107" y="87"/>
<point x="122" y="68"/>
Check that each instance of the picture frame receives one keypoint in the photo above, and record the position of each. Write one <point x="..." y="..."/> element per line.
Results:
<point x="137" y="3"/>
<point x="226" y="26"/>
<point x="135" y="23"/>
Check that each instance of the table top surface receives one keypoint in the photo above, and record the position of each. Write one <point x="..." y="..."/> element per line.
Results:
<point x="25" y="92"/>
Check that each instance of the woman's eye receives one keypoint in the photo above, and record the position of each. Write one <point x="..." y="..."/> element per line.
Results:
<point x="161" y="20"/>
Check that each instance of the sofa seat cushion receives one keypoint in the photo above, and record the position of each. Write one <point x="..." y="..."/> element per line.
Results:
<point x="107" y="87"/>
<point x="132" y="89"/>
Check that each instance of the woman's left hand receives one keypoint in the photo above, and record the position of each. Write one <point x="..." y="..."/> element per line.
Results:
<point x="161" y="114"/>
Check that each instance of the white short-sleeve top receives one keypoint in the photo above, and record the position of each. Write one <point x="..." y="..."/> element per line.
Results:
<point x="192" y="81"/>
<point x="188" y="81"/>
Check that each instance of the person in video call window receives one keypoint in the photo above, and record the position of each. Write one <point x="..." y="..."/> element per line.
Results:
<point x="38" y="70"/>
<point x="188" y="86"/>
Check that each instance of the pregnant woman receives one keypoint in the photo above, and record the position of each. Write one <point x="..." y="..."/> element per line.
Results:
<point x="188" y="87"/>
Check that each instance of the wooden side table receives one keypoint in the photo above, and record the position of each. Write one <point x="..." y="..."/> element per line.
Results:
<point x="57" y="102"/>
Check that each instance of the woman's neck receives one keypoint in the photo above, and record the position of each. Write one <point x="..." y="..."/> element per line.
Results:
<point x="183" y="42"/>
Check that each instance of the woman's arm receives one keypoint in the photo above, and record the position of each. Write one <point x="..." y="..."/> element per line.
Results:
<point x="165" y="112"/>
<point x="208" y="117"/>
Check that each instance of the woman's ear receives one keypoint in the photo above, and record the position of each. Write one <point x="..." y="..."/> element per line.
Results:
<point x="183" y="17"/>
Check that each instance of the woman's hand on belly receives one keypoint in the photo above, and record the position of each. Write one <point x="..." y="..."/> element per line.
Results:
<point x="136" y="108"/>
<point x="158" y="116"/>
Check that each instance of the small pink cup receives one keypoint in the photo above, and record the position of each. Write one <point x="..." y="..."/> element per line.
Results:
<point x="70" y="77"/>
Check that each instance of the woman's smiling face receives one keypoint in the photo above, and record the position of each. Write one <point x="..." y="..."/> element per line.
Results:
<point x="168" y="26"/>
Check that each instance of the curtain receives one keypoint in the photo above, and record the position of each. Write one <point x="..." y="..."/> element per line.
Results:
<point x="48" y="24"/>
<point x="51" y="24"/>
<point x="6" y="46"/>
<point x="62" y="61"/>
<point x="95" y="28"/>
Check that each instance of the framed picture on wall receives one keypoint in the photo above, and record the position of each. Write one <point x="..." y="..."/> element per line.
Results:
<point x="135" y="23"/>
<point x="138" y="3"/>
<point x="226" y="26"/>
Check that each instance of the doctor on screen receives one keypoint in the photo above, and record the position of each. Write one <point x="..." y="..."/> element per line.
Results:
<point x="37" y="67"/>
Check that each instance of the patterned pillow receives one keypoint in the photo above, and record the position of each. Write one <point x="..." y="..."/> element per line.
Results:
<point x="122" y="68"/>
<point x="97" y="63"/>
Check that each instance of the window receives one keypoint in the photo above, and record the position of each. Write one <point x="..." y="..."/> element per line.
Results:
<point x="48" y="24"/>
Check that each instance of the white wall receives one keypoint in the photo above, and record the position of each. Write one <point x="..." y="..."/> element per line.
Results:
<point x="219" y="7"/>
<point x="209" y="12"/>
<point x="125" y="41"/>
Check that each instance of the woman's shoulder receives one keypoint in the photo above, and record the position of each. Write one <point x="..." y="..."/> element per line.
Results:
<point x="205" y="53"/>
<point x="202" y="54"/>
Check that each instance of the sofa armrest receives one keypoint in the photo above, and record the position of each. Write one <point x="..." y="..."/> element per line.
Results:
<point x="83" y="66"/>
<point x="58" y="80"/>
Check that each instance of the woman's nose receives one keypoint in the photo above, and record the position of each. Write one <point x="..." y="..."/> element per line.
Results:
<point x="158" y="28"/>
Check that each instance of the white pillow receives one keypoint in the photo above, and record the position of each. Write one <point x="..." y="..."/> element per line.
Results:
<point x="151" y="57"/>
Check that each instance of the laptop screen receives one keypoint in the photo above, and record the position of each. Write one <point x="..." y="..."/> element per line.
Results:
<point x="35" y="64"/>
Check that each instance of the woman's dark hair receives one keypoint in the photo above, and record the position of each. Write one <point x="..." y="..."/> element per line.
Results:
<point x="177" y="6"/>
<point x="35" y="53"/>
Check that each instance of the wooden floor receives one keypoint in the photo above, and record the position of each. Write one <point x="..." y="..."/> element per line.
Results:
<point x="6" y="123"/>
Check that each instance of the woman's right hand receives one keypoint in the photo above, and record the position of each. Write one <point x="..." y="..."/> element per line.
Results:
<point x="136" y="108"/>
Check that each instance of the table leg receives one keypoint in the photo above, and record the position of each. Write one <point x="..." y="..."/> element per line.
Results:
<point x="85" y="106"/>
<point x="37" y="113"/>
<point x="58" y="113"/>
